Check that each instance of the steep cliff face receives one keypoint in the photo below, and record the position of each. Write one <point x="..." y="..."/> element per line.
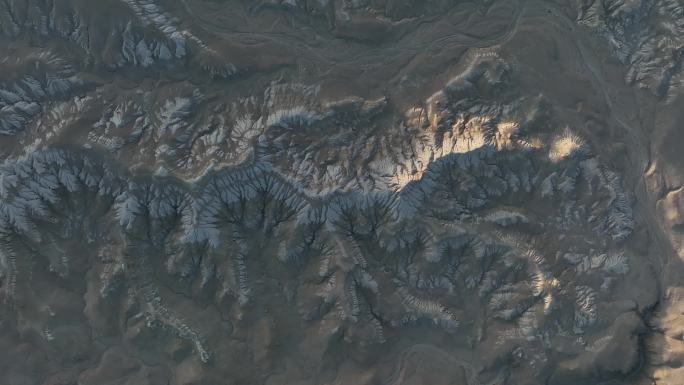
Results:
<point x="331" y="192"/>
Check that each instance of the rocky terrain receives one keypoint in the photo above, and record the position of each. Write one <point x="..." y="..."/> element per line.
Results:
<point x="341" y="192"/>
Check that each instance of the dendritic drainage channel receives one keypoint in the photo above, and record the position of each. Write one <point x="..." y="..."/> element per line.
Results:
<point x="477" y="224"/>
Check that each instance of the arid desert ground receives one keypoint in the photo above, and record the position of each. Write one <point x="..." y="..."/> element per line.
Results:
<point x="341" y="192"/>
